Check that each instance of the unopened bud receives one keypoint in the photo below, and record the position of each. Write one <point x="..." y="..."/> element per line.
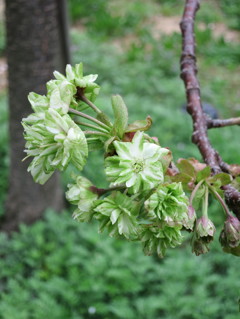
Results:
<point x="226" y="246"/>
<point x="205" y="229"/>
<point x="189" y="218"/>
<point x="199" y="246"/>
<point x="232" y="231"/>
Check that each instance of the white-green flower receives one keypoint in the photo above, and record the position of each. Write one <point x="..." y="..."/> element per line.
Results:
<point x="138" y="164"/>
<point x="61" y="94"/>
<point x="157" y="239"/>
<point x="118" y="213"/>
<point x="54" y="141"/>
<point x="40" y="105"/>
<point x="74" y="76"/>
<point x="80" y="194"/>
<point x="168" y="203"/>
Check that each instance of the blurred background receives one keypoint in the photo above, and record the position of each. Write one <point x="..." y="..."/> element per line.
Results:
<point x="60" y="269"/>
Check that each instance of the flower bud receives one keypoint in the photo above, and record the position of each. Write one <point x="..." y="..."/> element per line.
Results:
<point x="226" y="246"/>
<point x="79" y="193"/>
<point x="199" y="246"/>
<point x="232" y="231"/>
<point x="189" y="218"/>
<point x="205" y="229"/>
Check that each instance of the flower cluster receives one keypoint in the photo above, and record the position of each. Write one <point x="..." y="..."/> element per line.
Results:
<point x="53" y="139"/>
<point x="142" y="205"/>
<point x="146" y="200"/>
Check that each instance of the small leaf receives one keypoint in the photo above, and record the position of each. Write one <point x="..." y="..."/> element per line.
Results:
<point x="120" y="115"/>
<point x="140" y="125"/>
<point x="204" y="173"/>
<point x="185" y="167"/>
<point x="196" y="164"/>
<point x="234" y="169"/>
<point x="221" y="179"/>
<point x="181" y="177"/>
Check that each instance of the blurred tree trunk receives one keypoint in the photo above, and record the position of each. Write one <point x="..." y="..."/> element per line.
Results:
<point x="36" y="46"/>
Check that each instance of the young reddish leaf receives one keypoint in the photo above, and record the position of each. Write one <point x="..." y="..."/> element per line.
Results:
<point x="186" y="167"/>
<point x="234" y="169"/>
<point x="183" y="178"/>
<point x="140" y="125"/>
<point x="166" y="160"/>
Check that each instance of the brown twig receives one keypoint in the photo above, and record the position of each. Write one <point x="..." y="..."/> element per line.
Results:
<point x="224" y="122"/>
<point x="101" y="191"/>
<point x="194" y="107"/>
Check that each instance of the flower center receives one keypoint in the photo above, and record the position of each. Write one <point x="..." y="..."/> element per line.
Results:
<point x="138" y="166"/>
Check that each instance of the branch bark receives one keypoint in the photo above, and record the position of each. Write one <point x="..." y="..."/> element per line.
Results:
<point x="224" y="122"/>
<point x="194" y="106"/>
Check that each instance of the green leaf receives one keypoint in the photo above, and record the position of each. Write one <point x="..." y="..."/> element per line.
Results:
<point x="204" y="173"/>
<point x="120" y="115"/>
<point x="221" y="178"/>
<point x="185" y="167"/>
<point x="140" y="125"/>
<point x="183" y="178"/>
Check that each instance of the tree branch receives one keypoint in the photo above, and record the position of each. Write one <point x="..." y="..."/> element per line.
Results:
<point x="221" y="123"/>
<point x="194" y="107"/>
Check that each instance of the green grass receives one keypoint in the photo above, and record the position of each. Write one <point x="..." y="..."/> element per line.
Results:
<point x="60" y="269"/>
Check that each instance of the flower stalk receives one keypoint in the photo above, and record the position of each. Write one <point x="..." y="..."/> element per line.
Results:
<point x="90" y="118"/>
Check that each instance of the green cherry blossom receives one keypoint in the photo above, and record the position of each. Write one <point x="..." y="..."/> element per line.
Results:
<point x="54" y="141"/>
<point x="80" y="194"/>
<point x="118" y="213"/>
<point x="156" y="239"/>
<point x="74" y="76"/>
<point x="138" y="164"/>
<point x="40" y="105"/>
<point x="61" y="94"/>
<point x="168" y="203"/>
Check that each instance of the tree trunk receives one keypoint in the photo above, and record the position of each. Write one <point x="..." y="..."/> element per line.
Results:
<point x="34" y="50"/>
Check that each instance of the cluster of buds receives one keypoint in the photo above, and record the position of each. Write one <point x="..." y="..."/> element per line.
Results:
<point x="53" y="138"/>
<point x="145" y="201"/>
